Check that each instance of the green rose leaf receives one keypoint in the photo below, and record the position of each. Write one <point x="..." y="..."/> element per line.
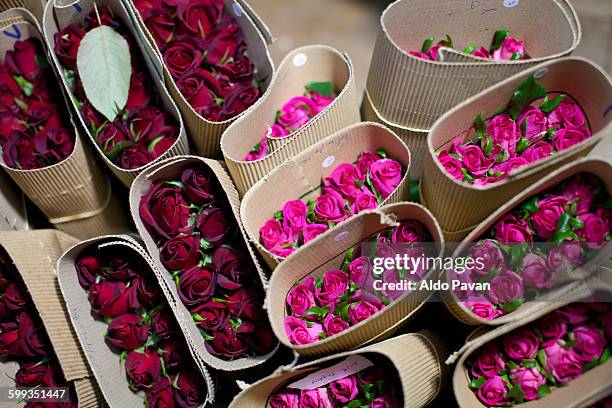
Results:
<point x="469" y="49"/>
<point x="527" y="92"/>
<point x="548" y="106"/>
<point x="427" y="45"/>
<point x="516" y="394"/>
<point x="498" y="38"/>
<point x="322" y="88"/>
<point x="104" y="66"/>
<point x="477" y="382"/>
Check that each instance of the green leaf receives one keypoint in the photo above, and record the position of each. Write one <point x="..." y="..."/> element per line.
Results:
<point x="541" y="357"/>
<point x="591" y="364"/>
<point x="205" y="245"/>
<point x="564" y="229"/>
<point x="355" y="404"/>
<point x="448" y="42"/>
<point x="414" y="191"/>
<point x="118" y="148"/>
<point x="322" y="88"/>
<point x="26" y="86"/>
<point x="569" y="344"/>
<point x="512" y="365"/>
<point x="381" y="153"/>
<point x="207" y="336"/>
<point x="543" y="391"/>
<point x="529" y="363"/>
<point x="516" y="394"/>
<point x="498" y="38"/>
<point x="531" y="205"/>
<point x="548" y="107"/>
<point x="605" y="356"/>
<point x="512" y="306"/>
<point x="41" y="62"/>
<point x="477" y="382"/>
<point x="320" y="312"/>
<point x="480" y="126"/>
<point x="175" y="183"/>
<point x="427" y="45"/>
<point x="22" y="105"/>
<point x="469" y="49"/>
<point x="155" y="141"/>
<point x="105" y="67"/>
<point x="527" y="92"/>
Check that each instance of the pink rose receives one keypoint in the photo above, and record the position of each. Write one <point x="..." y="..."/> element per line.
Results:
<point x="534" y="122"/>
<point x="482" y="308"/>
<point x="364" y="162"/>
<point x="574" y="313"/>
<point x="283" y="251"/>
<point x="301" y="332"/>
<point x="567" y="113"/>
<point x="273" y="234"/>
<point x="569" y="136"/>
<point x="529" y="380"/>
<point x="311" y="231"/>
<point x="608" y="325"/>
<point x="317" y="398"/>
<point x="504" y="133"/>
<point x="451" y="164"/>
<point x="489" y="254"/>
<point x="285" y="399"/>
<point x="296" y="113"/>
<point x="364" y="200"/>
<point x="551" y="327"/>
<point x="334" y="325"/>
<point x="301" y="297"/>
<point x="488" y="362"/>
<point x="511" y="230"/>
<point x="537" y="151"/>
<point x="294" y="216"/>
<point x="360" y="273"/>
<point x="562" y="363"/>
<point x="510" y="165"/>
<point x="386" y="175"/>
<point x="330" y="206"/>
<point x="508" y="49"/>
<point x="521" y="344"/>
<point x="596" y="229"/>
<point x="506" y="288"/>
<point x="277" y="131"/>
<point x="536" y="273"/>
<point x="462" y="293"/>
<point x="321" y="101"/>
<point x="590" y="343"/>
<point x="565" y="257"/>
<point x="409" y="232"/>
<point x="579" y="191"/>
<point x="334" y="285"/>
<point x="360" y="311"/>
<point x="475" y="161"/>
<point x="342" y="179"/>
<point x="493" y="392"/>
<point x="481" y="52"/>
<point x="345" y="389"/>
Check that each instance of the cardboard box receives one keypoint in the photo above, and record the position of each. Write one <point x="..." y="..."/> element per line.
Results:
<point x="205" y="135"/>
<point x="460" y="207"/>
<point x="413" y="92"/>
<point x="105" y="364"/>
<point x="300" y="176"/>
<point x="34" y="253"/>
<point x="299" y="67"/>
<point x="327" y="252"/>
<point x="57" y="16"/>
<point x="417" y="357"/>
<point x="599" y="168"/>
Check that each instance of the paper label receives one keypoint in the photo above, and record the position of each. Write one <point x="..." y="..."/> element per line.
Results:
<point x="300" y="59"/>
<point x="351" y="365"/>
<point x="341" y="236"/>
<point x="329" y="161"/>
<point x="540" y="73"/>
<point x="237" y="9"/>
<point x="510" y="3"/>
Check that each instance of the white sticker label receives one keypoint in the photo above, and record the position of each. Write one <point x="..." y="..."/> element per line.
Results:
<point x="329" y="161"/>
<point x="299" y="59"/>
<point x="237" y="9"/>
<point x="540" y="73"/>
<point x="341" y="236"/>
<point x="511" y="3"/>
<point x="351" y="365"/>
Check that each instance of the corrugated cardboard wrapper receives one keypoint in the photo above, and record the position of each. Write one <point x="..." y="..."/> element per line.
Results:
<point x="597" y="167"/>
<point x="34" y="253"/>
<point x="169" y="170"/>
<point x="417" y="357"/>
<point x="459" y="206"/>
<point x="578" y="393"/>
<point x="413" y="92"/>
<point x="36" y="7"/>
<point x="59" y="14"/>
<point x="327" y="252"/>
<point x="104" y="363"/>
<point x="13" y="211"/>
<point x="300" y="176"/>
<point x="299" y="67"/>
<point x="74" y="194"/>
<point x="204" y="134"/>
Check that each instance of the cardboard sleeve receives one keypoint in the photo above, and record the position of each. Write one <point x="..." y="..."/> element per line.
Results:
<point x="172" y="169"/>
<point x="597" y="167"/>
<point x="58" y="14"/>
<point x="36" y="7"/>
<point x="34" y="253"/>
<point x="327" y="252"/>
<point x="413" y="92"/>
<point x="583" y="391"/>
<point x="299" y="67"/>
<point x="459" y="206"/>
<point x="73" y="194"/>
<point x="105" y="363"/>
<point x="301" y="175"/>
<point x="13" y="211"/>
<point x="417" y="357"/>
<point x="206" y="135"/>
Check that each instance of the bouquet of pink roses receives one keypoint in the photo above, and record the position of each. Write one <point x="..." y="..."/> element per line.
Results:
<point x="321" y="308"/>
<point x="348" y="190"/>
<point x="517" y="136"/>
<point x="529" y="362"/>
<point x="296" y="113"/>
<point x="530" y="248"/>
<point x="503" y="48"/>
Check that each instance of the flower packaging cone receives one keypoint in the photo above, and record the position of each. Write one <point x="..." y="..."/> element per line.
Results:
<point x="13" y="211"/>
<point x="36" y="7"/>
<point x="304" y="65"/>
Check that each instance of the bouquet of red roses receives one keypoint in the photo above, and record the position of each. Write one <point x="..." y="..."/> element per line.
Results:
<point x="23" y="337"/>
<point x="529" y="362"/>
<point x="34" y="132"/>
<point x="200" y="245"/>
<point x="123" y="291"/>
<point x="296" y="113"/>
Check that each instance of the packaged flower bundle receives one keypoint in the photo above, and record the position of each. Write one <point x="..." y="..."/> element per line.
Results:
<point x="349" y="189"/>
<point x="141" y="331"/>
<point x="534" y="360"/>
<point x="603" y="403"/>
<point x="343" y="297"/>
<point x="294" y="114"/>
<point x="503" y="48"/>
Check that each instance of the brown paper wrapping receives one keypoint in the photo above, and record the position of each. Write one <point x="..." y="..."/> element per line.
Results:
<point x="327" y="252"/>
<point x="59" y="14"/>
<point x="300" y="66"/>
<point x="412" y="92"/>
<point x="110" y="374"/>
<point x="74" y="194"/>
<point x="417" y="357"/>
<point x="172" y="169"/>
<point x="599" y="168"/>
<point x="34" y="253"/>
<point x="304" y="172"/>
<point x="13" y="211"/>
<point x="204" y="134"/>
<point x="458" y="206"/>
<point x="580" y="392"/>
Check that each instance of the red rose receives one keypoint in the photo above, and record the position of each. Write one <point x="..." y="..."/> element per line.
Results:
<point x="180" y="253"/>
<point x="196" y="285"/>
<point x="11" y="122"/>
<point x="9" y="340"/>
<point x="149" y="124"/>
<point x="143" y="368"/>
<point x="247" y="303"/>
<point x="164" y="210"/>
<point x="22" y="60"/>
<point x="161" y="395"/>
<point x="235" y="268"/>
<point x="91" y="117"/>
<point x="182" y="56"/>
<point x="213" y="225"/>
<point x="35" y="373"/>
<point x="211" y="316"/>
<point x="112" y="134"/>
<point x="134" y="157"/>
<point x="161" y="25"/>
<point x="226" y="345"/>
<point x="164" y="323"/>
<point x="262" y="340"/>
<point x="145" y="5"/>
<point x="127" y="332"/>
<point x="189" y="386"/>
<point x="223" y="41"/>
<point x="140" y="91"/>
<point x="41" y="112"/>
<point x="32" y="338"/>
<point x="238" y="99"/>
<point x="109" y="299"/>
<point x="88" y="268"/>
<point x="53" y="144"/>
<point x="197" y="186"/>
<point x="14" y="299"/>
<point x="198" y="17"/>
<point x="67" y="43"/>
<point x="8" y="82"/>
<point x="18" y="152"/>
<point x="123" y="268"/>
<point x="240" y="69"/>
<point x="200" y="88"/>
<point x="173" y="352"/>
<point x="147" y="289"/>
<point x="104" y="16"/>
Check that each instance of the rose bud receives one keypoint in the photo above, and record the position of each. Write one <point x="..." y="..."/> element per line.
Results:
<point x="241" y="69"/>
<point x="180" y="253"/>
<point x="319" y="397"/>
<point x="334" y="325"/>
<point x="53" y="144"/>
<point x="296" y="113"/>
<point x="580" y="190"/>
<point x="189" y="386"/>
<point x="529" y="380"/>
<point x="9" y="340"/>
<point x="35" y="373"/>
<point x="569" y="136"/>
<point x="164" y="210"/>
<point x="109" y="299"/>
<point x="364" y="162"/>
<point x="104" y="16"/>
<point x="552" y="328"/>
<point x="285" y="399"/>
<point x="300" y="332"/>
<point x="488" y="361"/>
<point x="384" y="401"/>
<point x="127" y="332"/>
<point x="562" y="363"/>
<point x="335" y="284"/>
<point x="161" y="395"/>
<point x="345" y="389"/>
<point x="596" y="229"/>
<point x="342" y="179"/>
<point x="294" y="216"/>
<point x="510" y="230"/>
<point x="490" y="254"/>
<point x="574" y="313"/>
<point x="223" y="41"/>
<point x="538" y="151"/>
<point x="211" y="316"/>
<point x="411" y="232"/>
<point x="123" y="268"/>
<point x="482" y="307"/>
<point x="301" y="297"/>
<point x="182" y="56"/>
<point x="214" y="225"/>
<point x="14" y="298"/>
<point x="173" y="352"/>
<point x="536" y="273"/>
<point x="32" y="337"/>
<point x="197" y="186"/>
<point x="234" y="267"/>
<point x="160" y="24"/>
<point x="311" y="231"/>
<point x="567" y="113"/>
<point x="8" y="82"/>
<point x="199" y="87"/>
<point x="535" y="121"/>
<point x="272" y="234"/>
<point x="198" y="17"/>
<point x="590" y="344"/>
<point x="506" y="287"/>
<point x="362" y="310"/>
<point x="22" y="60"/>
<point x="364" y="201"/>
<point x="452" y="165"/>
<point x="262" y="340"/>
<point x="147" y="291"/>
<point x="493" y="392"/>
<point x="18" y="152"/>
<point x="360" y="273"/>
<point x="42" y="112"/>
<point x="134" y="157"/>
<point x="521" y="344"/>
<point x="164" y="323"/>
<point x="247" y="303"/>
<point x="196" y="285"/>
<point x="150" y="126"/>
<point x="140" y="91"/>
<point x="91" y="117"/>
<point x="565" y="257"/>
<point x="544" y="221"/>
<point x="474" y="160"/>
<point x="386" y="175"/>
<point x="112" y="134"/>
<point x="143" y="368"/>
<point x="238" y="99"/>
<point x="226" y="345"/>
<point x="67" y="43"/>
<point x="330" y="206"/>
<point x="504" y="133"/>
